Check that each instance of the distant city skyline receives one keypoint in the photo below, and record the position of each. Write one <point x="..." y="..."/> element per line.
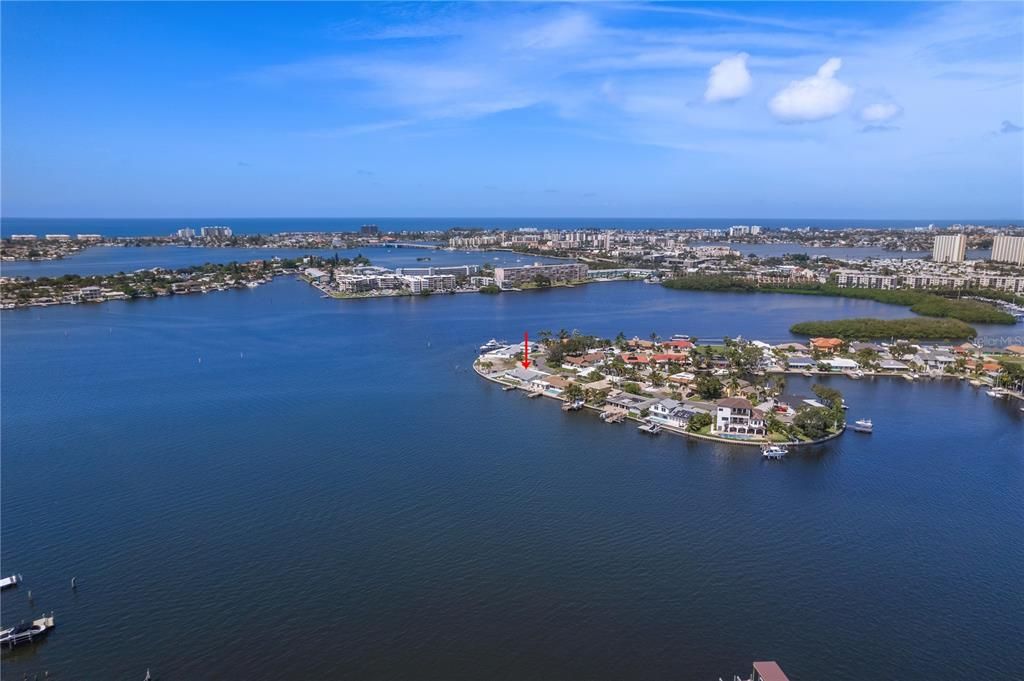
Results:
<point x="610" y="110"/>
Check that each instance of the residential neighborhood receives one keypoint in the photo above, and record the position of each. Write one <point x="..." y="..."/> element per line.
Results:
<point x="734" y="390"/>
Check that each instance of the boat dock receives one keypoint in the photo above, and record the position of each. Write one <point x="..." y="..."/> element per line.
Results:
<point x="650" y="428"/>
<point x="613" y="416"/>
<point x="26" y="633"/>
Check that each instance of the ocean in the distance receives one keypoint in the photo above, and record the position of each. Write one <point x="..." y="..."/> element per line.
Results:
<point x="263" y="484"/>
<point x="114" y="227"/>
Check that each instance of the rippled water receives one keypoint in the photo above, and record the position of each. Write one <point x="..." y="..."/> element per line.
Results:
<point x="332" y="493"/>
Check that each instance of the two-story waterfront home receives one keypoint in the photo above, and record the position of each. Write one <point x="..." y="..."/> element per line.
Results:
<point x="737" y="415"/>
<point x="828" y="345"/>
<point x="673" y="413"/>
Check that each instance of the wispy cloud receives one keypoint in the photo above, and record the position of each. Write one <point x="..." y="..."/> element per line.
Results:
<point x="617" y="79"/>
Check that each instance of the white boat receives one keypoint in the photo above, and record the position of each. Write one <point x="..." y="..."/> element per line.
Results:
<point x="863" y="426"/>
<point x="650" y="428"/>
<point x="492" y="344"/>
<point x="10" y="581"/>
<point x="994" y="393"/>
<point x="26" y="633"/>
<point x="773" y="451"/>
<point x="680" y="337"/>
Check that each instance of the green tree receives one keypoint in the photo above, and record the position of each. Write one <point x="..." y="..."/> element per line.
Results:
<point x="708" y="387"/>
<point x="574" y="392"/>
<point x="698" y="422"/>
<point x="813" y="422"/>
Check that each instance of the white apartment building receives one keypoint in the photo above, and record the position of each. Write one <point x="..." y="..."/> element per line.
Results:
<point x="430" y="283"/>
<point x="508" y="277"/>
<point x="1008" y="249"/>
<point x="218" y="232"/>
<point x="858" y="279"/>
<point x="949" y="248"/>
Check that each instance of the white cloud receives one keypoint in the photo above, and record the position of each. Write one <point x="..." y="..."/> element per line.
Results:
<point x="813" y="99"/>
<point x="883" y="111"/>
<point x="729" y="79"/>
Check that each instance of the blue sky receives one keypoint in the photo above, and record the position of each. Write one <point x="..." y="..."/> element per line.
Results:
<point x="614" y="109"/>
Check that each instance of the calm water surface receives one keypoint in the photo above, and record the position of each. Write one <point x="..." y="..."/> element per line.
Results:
<point x="262" y="484"/>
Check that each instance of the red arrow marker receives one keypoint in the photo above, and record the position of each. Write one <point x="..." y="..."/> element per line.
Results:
<point x="526" y="349"/>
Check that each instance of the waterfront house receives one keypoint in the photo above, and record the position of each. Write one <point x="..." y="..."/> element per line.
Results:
<point x="934" y="360"/>
<point x="792" y="347"/>
<point x="91" y="294"/>
<point x="550" y="384"/>
<point x="840" y="364"/>
<point x="737" y="415"/>
<point x="670" y="412"/>
<point x="829" y="345"/>
<point x="1015" y="349"/>
<point x="634" y="404"/>
<point x="678" y="344"/>
<point x="892" y="365"/>
<point x="800" y="362"/>
<point x="524" y="376"/>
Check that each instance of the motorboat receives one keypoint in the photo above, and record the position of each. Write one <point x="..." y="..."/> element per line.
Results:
<point x="26" y="632"/>
<point x="773" y="451"/>
<point x="994" y="393"/>
<point x="863" y="426"/>
<point x="490" y="345"/>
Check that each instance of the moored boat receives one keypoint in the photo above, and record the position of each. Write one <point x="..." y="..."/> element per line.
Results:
<point x="773" y="451"/>
<point x="863" y="426"/>
<point x="650" y="428"/>
<point x="492" y="344"/>
<point x="26" y="632"/>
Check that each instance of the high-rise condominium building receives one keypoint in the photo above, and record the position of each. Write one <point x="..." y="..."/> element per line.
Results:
<point x="949" y="248"/>
<point x="1008" y="249"/>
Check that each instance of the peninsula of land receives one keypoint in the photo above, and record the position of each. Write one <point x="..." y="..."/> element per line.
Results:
<point x="733" y="391"/>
